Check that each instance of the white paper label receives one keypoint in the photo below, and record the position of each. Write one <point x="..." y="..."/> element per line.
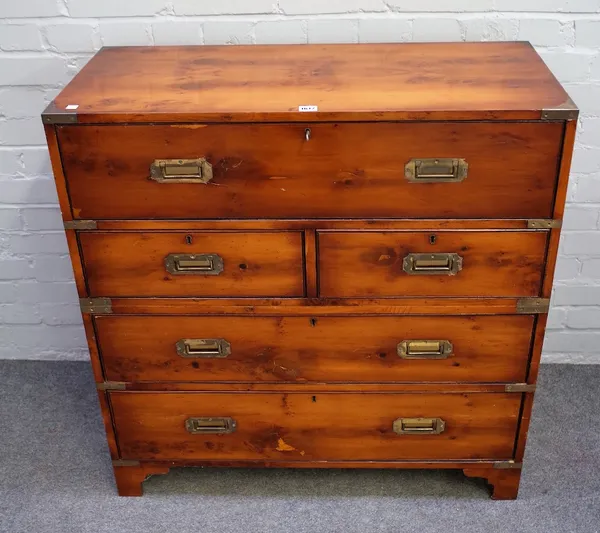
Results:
<point x="71" y="107"/>
<point x="308" y="108"/>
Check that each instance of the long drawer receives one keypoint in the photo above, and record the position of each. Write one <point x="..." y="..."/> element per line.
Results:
<point x="419" y="263"/>
<point x="321" y="426"/>
<point x="324" y="170"/>
<point x="192" y="264"/>
<point x="318" y="349"/>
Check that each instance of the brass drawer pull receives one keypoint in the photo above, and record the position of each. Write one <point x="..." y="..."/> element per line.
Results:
<point x="206" y="264"/>
<point x="436" y="170"/>
<point x="448" y="264"/>
<point x="203" y="348"/>
<point x="419" y="426"/>
<point x="210" y="425"/>
<point x="424" y="349"/>
<point x="181" y="171"/>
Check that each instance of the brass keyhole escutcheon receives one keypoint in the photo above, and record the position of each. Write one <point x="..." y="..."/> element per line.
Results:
<point x="432" y="239"/>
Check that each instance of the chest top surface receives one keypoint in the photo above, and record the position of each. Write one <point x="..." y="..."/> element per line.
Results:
<point x="408" y="81"/>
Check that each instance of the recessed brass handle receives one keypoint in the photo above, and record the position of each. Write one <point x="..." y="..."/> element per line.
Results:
<point x="181" y="171"/>
<point x="436" y="170"/>
<point x="446" y="263"/>
<point x="210" y="425"/>
<point x="203" y="348"/>
<point x="418" y="349"/>
<point x="419" y="426"/>
<point x="205" y="264"/>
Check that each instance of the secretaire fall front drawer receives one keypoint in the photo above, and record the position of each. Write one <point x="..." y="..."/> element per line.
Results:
<point x="438" y="263"/>
<point x="193" y="264"/>
<point x="321" y="170"/>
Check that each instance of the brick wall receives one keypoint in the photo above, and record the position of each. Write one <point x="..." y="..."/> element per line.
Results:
<point x="43" y="43"/>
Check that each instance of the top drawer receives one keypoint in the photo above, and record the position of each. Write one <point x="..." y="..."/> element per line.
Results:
<point x="322" y="170"/>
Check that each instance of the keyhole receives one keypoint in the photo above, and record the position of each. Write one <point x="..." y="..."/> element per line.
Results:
<point x="313" y="322"/>
<point x="314" y="399"/>
<point x="188" y="239"/>
<point x="432" y="239"/>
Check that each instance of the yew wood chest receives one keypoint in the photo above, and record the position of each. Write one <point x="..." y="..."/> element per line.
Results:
<point x="314" y="256"/>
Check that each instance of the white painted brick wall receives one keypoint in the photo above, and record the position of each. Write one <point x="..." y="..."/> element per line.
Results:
<point x="332" y="30"/>
<point x="20" y="37"/>
<point x="437" y="29"/>
<point x="125" y="33"/>
<point x="62" y="38"/>
<point x="173" y="32"/>
<point x="281" y="31"/>
<point x="229" y="32"/>
<point x="43" y="43"/>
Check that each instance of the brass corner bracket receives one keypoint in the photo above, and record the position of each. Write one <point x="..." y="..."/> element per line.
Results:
<point x="96" y="306"/>
<point x="533" y="306"/>
<point x="111" y="385"/>
<point x="566" y="111"/>
<point x="505" y="465"/>
<point x="519" y="387"/>
<point x="59" y="118"/>
<point x="58" y="115"/>
<point x="543" y="223"/>
<point x="80" y="224"/>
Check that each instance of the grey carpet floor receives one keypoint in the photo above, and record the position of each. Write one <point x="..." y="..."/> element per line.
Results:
<point x="55" y="474"/>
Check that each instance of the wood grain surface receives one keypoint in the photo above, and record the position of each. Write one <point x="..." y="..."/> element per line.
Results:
<point x="305" y="224"/>
<point x="504" y="482"/>
<point x="320" y="426"/>
<point x="307" y="387"/>
<point x="315" y="306"/>
<point x="313" y="227"/>
<point x="133" y="264"/>
<point x="369" y="264"/>
<point x="428" y="81"/>
<point x="323" y="349"/>
<point x="348" y="170"/>
<point x="129" y="478"/>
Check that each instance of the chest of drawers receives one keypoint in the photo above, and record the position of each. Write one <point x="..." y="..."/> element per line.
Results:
<point x="314" y="256"/>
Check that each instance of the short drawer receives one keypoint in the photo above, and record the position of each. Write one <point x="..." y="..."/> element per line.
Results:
<point x="317" y="349"/>
<point x="322" y="170"/>
<point x="318" y="426"/>
<point x="177" y="264"/>
<point x="446" y="263"/>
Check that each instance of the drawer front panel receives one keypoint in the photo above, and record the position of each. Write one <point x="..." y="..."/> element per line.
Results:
<point x="321" y="426"/>
<point x="348" y="170"/>
<point x="453" y="263"/>
<point x="320" y="349"/>
<point x="252" y="264"/>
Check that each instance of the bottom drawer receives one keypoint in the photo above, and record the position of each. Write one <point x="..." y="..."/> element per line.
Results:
<point x="320" y="426"/>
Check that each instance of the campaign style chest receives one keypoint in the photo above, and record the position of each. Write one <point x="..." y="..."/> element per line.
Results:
<point x="315" y="255"/>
